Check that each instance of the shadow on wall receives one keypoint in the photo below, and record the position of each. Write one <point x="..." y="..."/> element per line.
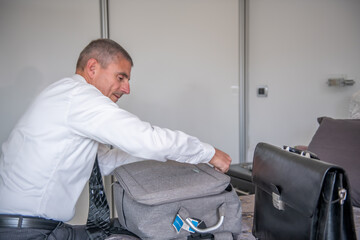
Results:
<point x="16" y="95"/>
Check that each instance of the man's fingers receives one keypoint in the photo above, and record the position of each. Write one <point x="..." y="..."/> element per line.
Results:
<point x="221" y="161"/>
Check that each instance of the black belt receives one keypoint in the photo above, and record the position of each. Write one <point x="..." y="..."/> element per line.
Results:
<point x="17" y="221"/>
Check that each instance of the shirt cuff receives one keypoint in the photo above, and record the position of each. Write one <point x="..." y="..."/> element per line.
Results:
<point x="209" y="152"/>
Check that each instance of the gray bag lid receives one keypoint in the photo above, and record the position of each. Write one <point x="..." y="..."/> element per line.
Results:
<point x="152" y="182"/>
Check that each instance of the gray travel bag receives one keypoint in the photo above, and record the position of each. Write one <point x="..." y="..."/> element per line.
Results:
<point x="172" y="200"/>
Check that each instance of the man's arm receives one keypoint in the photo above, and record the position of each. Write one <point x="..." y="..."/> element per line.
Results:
<point x="109" y="159"/>
<point x="221" y="161"/>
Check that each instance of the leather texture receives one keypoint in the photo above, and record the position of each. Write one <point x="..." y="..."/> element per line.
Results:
<point x="18" y="221"/>
<point x="337" y="141"/>
<point x="297" y="197"/>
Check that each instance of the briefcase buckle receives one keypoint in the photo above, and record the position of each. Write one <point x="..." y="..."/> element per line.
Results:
<point x="342" y="195"/>
<point x="277" y="202"/>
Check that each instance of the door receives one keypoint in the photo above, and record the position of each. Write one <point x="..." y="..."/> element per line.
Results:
<point x="186" y="65"/>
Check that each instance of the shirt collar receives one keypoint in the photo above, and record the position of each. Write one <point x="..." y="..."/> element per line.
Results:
<point x="79" y="78"/>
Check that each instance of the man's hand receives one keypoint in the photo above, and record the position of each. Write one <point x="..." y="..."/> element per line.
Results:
<point x="221" y="161"/>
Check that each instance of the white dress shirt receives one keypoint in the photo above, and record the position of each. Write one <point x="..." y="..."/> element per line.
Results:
<point x="49" y="155"/>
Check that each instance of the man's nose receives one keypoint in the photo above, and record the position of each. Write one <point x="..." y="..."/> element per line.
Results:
<point x="125" y="87"/>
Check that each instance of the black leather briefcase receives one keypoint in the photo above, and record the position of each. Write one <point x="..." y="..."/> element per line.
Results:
<point x="297" y="197"/>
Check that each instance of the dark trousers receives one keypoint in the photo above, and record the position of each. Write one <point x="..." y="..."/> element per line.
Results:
<point x="62" y="231"/>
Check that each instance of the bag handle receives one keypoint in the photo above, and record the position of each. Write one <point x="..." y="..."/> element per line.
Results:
<point x="306" y="153"/>
<point x="185" y="215"/>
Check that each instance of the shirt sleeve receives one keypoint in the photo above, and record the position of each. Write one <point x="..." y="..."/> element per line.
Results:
<point x="92" y="115"/>
<point x="111" y="158"/>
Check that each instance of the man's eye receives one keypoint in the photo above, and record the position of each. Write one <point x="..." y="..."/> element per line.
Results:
<point x="120" y="78"/>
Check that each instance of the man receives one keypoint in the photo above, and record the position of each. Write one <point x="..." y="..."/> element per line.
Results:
<point x="50" y="153"/>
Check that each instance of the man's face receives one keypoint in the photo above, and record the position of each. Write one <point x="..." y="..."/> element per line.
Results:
<point x="113" y="81"/>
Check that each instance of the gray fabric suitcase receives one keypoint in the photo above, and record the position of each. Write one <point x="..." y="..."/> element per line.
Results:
<point x="172" y="200"/>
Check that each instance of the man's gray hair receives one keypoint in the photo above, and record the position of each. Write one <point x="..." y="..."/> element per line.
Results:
<point x="104" y="51"/>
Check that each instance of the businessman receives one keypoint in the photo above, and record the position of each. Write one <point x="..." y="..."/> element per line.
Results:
<point x="49" y="155"/>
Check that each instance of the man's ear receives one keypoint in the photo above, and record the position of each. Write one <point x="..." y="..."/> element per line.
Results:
<point x="91" y="67"/>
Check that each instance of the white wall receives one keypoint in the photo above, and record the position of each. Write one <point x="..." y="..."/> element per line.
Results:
<point x="40" y="41"/>
<point x="186" y="65"/>
<point x="294" y="47"/>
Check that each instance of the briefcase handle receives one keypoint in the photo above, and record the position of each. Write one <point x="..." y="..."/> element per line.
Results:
<point x="185" y="215"/>
<point x="306" y="153"/>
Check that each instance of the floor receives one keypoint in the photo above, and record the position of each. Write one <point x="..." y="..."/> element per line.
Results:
<point x="248" y="214"/>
